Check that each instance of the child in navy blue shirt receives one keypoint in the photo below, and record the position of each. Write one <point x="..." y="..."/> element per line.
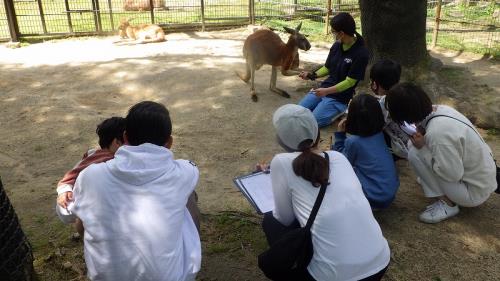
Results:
<point x="367" y="151"/>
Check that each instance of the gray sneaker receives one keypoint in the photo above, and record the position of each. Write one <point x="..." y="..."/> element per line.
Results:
<point x="438" y="211"/>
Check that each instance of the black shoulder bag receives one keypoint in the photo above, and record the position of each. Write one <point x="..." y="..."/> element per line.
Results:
<point x="498" y="168"/>
<point x="290" y="255"/>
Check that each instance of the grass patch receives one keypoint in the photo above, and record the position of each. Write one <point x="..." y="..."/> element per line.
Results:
<point x="453" y="74"/>
<point x="233" y="233"/>
<point x="493" y="132"/>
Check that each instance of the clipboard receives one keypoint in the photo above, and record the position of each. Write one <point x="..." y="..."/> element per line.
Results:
<point x="257" y="189"/>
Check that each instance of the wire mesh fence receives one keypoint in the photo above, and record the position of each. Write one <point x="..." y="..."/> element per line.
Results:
<point x="4" y="28"/>
<point x="471" y="25"/>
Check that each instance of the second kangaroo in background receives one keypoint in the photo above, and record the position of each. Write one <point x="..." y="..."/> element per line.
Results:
<point x="141" y="33"/>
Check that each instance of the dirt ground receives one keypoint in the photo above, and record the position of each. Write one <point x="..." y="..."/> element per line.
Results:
<point x="53" y="94"/>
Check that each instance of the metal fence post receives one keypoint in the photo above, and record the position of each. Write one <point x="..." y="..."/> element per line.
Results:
<point x="111" y="15"/>
<point x="12" y="20"/>
<point x="42" y="16"/>
<point x="68" y="15"/>
<point x="98" y="14"/>
<point x="436" y="27"/>
<point x="251" y="11"/>
<point x="328" y="13"/>
<point x="202" y="7"/>
<point x="151" y="11"/>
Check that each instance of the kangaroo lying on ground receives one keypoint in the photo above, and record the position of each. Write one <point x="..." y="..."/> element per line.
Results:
<point x="266" y="47"/>
<point x="141" y="33"/>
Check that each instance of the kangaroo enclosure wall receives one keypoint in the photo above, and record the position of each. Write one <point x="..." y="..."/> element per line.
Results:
<point x="471" y="25"/>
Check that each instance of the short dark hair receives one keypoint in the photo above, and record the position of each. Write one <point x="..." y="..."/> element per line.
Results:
<point x="343" y="22"/>
<point x="110" y="129"/>
<point x="148" y="122"/>
<point x="408" y="102"/>
<point x="365" y="117"/>
<point x="386" y="73"/>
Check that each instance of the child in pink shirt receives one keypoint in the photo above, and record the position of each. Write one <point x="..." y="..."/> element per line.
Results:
<point x="110" y="133"/>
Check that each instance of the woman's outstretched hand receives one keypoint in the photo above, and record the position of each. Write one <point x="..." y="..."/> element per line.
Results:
<point x="303" y="75"/>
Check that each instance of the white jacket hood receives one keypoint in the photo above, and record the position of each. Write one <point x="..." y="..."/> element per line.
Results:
<point x="138" y="165"/>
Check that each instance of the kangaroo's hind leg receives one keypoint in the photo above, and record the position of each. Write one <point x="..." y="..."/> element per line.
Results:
<point x="272" y="84"/>
<point x="252" y="82"/>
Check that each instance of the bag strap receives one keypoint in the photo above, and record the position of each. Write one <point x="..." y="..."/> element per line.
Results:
<point x="458" y="121"/>
<point x="319" y="199"/>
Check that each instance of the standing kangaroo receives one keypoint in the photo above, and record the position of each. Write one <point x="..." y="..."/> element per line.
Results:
<point x="266" y="47"/>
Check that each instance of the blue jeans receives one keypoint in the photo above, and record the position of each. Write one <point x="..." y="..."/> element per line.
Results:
<point x="324" y="109"/>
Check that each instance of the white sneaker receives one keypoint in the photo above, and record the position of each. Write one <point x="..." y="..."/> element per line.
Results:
<point x="438" y="211"/>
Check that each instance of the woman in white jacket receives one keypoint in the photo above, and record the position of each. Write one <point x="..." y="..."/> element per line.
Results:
<point x="451" y="160"/>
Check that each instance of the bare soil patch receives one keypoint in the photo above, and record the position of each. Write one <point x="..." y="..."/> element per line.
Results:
<point x="52" y="95"/>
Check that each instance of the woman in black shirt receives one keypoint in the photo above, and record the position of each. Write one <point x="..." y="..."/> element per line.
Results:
<point x="345" y="65"/>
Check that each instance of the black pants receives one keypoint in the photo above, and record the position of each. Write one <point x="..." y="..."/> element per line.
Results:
<point x="273" y="230"/>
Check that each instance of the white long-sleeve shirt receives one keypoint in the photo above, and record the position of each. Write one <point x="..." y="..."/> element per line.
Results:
<point x="133" y="209"/>
<point x="347" y="240"/>
<point x="456" y="153"/>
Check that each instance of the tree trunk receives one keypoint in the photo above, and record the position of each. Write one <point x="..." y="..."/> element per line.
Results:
<point x="395" y="29"/>
<point x="16" y="258"/>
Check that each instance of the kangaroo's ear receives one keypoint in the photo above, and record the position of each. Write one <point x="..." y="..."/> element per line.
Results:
<point x="298" y="27"/>
<point x="289" y="30"/>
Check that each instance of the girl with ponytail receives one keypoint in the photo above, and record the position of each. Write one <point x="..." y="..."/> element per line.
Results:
<point x="345" y="67"/>
<point x="344" y="217"/>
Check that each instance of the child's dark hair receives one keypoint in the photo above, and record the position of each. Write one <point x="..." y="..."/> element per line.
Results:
<point x="148" y="122"/>
<point x="408" y="102"/>
<point x="310" y="166"/>
<point x="110" y="129"/>
<point x="345" y="22"/>
<point x="386" y="73"/>
<point x="365" y="117"/>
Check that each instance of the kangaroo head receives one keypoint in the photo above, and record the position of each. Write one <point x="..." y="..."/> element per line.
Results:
<point x="124" y="23"/>
<point x="300" y="39"/>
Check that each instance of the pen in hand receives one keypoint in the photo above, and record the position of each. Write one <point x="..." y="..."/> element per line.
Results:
<point x="262" y="167"/>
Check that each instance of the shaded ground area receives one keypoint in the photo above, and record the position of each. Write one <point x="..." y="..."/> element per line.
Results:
<point x="52" y="95"/>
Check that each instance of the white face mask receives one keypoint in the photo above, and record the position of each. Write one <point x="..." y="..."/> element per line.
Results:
<point x="337" y="35"/>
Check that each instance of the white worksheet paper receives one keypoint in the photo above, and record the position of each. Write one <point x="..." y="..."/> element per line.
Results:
<point x="258" y="187"/>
